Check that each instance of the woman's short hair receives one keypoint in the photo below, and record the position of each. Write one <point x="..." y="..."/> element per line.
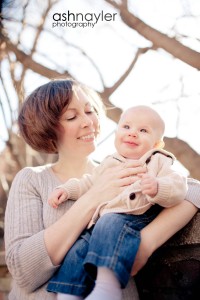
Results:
<point x="41" y="111"/>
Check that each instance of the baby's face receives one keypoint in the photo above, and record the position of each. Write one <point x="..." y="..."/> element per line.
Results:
<point x="139" y="130"/>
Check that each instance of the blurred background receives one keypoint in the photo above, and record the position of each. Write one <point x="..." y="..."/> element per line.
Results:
<point x="132" y="52"/>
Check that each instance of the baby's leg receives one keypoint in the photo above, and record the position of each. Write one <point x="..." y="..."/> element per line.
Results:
<point x="112" y="249"/>
<point x="71" y="281"/>
<point x="68" y="297"/>
<point x="113" y="245"/>
<point x="107" y="286"/>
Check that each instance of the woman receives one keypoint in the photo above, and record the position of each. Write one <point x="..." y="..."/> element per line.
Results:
<point x="63" y="117"/>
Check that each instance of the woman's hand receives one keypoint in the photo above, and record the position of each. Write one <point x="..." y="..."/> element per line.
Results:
<point x="112" y="180"/>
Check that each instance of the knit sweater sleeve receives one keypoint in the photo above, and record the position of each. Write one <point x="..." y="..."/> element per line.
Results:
<point x="26" y="255"/>
<point x="75" y="188"/>
<point x="172" y="186"/>
<point x="193" y="193"/>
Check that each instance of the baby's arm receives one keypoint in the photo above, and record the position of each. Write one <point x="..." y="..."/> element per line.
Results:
<point x="171" y="185"/>
<point x="72" y="189"/>
<point x="58" y="196"/>
<point x="149" y="185"/>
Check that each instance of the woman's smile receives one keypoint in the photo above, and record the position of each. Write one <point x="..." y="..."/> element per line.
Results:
<point x="89" y="137"/>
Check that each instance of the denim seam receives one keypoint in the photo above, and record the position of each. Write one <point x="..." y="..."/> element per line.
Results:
<point x="67" y="284"/>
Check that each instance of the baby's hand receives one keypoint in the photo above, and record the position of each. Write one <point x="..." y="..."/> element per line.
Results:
<point x="58" y="196"/>
<point x="149" y="185"/>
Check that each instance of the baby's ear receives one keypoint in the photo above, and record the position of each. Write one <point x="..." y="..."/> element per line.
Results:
<point x="160" y="144"/>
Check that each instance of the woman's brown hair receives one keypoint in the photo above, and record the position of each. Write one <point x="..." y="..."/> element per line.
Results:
<point x="41" y="111"/>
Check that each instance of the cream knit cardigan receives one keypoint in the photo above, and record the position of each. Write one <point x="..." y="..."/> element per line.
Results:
<point x="27" y="215"/>
<point x="172" y="186"/>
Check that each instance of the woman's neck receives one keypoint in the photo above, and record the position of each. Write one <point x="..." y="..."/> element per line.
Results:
<point x="66" y="169"/>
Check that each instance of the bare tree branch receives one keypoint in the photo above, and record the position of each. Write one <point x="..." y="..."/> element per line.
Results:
<point x="109" y="91"/>
<point x="40" y="29"/>
<point x="159" y="40"/>
<point x="67" y="44"/>
<point x="8" y="102"/>
<point x="30" y="63"/>
<point x="185" y="154"/>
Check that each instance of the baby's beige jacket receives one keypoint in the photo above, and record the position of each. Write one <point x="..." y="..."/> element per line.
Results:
<point x="172" y="186"/>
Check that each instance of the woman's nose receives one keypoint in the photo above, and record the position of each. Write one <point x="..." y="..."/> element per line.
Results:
<point x="86" y="121"/>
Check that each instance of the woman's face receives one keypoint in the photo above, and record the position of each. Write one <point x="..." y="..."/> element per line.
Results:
<point x="80" y="127"/>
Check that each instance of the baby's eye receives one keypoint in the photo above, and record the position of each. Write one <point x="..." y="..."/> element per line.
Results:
<point x="126" y="126"/>
<point x="143" y="130"/>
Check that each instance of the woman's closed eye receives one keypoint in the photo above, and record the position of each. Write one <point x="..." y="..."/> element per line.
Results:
<point x="73" y="117"/>
<point x="89" y="109"/>
<point x="70" y="118"/>
<point x="90" y="112"/>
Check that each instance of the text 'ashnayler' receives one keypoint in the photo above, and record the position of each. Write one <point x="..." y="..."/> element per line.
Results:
<point x="70" y="19"/>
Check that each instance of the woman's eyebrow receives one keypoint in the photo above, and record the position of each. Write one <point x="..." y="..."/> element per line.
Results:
<point x="71" y="109"/>
<point x="74" y="108"/>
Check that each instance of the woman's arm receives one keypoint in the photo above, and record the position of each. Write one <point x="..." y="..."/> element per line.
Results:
<point x="164" y="226"/>
<point x="37" y="237"/>
<point x="26" y="255"/>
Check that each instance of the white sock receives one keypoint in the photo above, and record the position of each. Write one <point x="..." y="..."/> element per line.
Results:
<point x="107" y="286"/>
<point x="68" y="297"/>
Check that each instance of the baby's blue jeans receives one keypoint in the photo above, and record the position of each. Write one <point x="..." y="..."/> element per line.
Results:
<point x="113" y="243"/>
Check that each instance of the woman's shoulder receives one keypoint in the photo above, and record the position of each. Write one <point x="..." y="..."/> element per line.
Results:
<point x="32" y="172"/>
<point x="34" y="178"/>
<point x="35" y="170"/>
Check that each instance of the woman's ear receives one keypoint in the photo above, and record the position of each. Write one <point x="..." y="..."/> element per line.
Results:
<point x="160" y="144"/>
